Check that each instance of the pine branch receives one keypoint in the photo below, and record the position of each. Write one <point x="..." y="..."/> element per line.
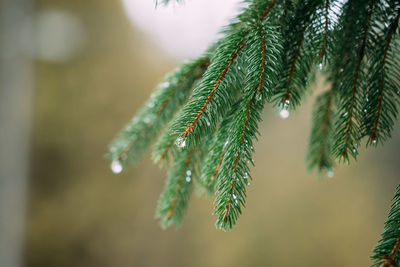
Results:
<point x="137" y="135"/>
<point x="381" y="96"/>
<point x="233" y="176"/>
<point x="357" y="15"/>
<point x="320" y="145"/>
<point x="387" y="252"/>
<point x="213" y="161"/>
<point x="299" y="53"/>
<point x="173" y="201"/>
<point x="269" y="53"/>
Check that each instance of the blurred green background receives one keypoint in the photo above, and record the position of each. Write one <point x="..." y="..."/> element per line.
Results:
<point x="81" y="214"/>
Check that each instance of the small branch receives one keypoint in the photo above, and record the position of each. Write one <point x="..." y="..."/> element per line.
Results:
<point x="326" y="123"/>
<point x="166" y="151"/>
<point x="189" y="129"/>
<point x="229" y="203"/>
<point x="256" y="91"/>
<point x="381" y="82"/>
<point x="322" y="53"/>
<point x="389" y="262"/>
<point x="175" y="201"/>
<point x="355" y="79"/>
<point x="203" y="66"/>
<point x="261" y="81"/>
<point x="292" y="69"/>
<point x="218" y="166"/>
<point x="266" y="12"/>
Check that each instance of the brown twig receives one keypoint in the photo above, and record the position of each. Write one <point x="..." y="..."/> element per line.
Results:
<point x="189" y="129"/>
<point x="389" y="262"/>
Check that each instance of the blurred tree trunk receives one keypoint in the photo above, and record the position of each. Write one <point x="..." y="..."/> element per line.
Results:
<point x="15" y="107"/>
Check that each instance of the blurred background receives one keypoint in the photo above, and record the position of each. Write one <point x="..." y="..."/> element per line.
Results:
<point x="73" y="72"/>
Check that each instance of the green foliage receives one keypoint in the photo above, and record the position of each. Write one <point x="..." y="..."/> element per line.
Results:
<point x="174" y="200"/>
<point x="387" y="252"/>
<point x="382" y="90"/>
<point x="169" y="95"/>
<point x="209" y="109"/>
<point x="300" y="43"/>
<point x="349" y="76"/>
<point x="260" y="76"/>
<point x="320" y="144"/>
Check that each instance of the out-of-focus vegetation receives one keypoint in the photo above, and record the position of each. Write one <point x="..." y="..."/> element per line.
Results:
<point x="80" y="214"/>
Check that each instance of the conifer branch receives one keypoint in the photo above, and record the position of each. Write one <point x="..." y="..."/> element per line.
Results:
<point x="213" y="105"/>
<point x="268" y="10"/>
<point x="173" y="201"/>
<point x="320" y="145"/>
<point x="234" y="175"/>
<point x="137" y="136"/>
<point x="213" y="162"/>
<point x="323" y="47"/>
<point x="189" y="129"/>
<point x="349" y="62"/>
<point x="376" y="123"/>
<point x="387" y="252"/>
<point x="299" y="55"/>
<point x="354" y="85"/>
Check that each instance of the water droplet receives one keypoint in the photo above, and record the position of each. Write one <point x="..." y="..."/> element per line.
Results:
<point x="234" y="196"/>
<point x="146" y="120"/>
<point x="366" y="99"/>
<point x="259" y="97"/>
<point x="164" y="84"/>
<point x="374" y="141"/>
<point x="284" y="114"/>
<point x="365" y="110"/>
<point x="320" y="66"/>
<point x="188" y="172"/>
<point x="341" y="70"/>
<point x="287" y="102"/>
<point x="329" y="172"/>
<point x="180" y="142"/>
<point x="116" y="166"/>
<point x="226" y="143"/>
<point x="207" y="121"/>
<point x="345" y="114"/>
<point x="246" y="175"/>
<point x="238" y="67"/>
<point x="354" y="150"/>
<point x="188" y="179"/>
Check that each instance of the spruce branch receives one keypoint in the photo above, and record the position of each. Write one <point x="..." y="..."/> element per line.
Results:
<point x="207" y="105"/>
<point x="173" y="201"/>
<point x="382" y="97"/>
<point x="212" y="164"/>
<point x="169" y="95"/>
<point x="234" y="175"/>
<point x="357" y="15"/>
<point x="208" y="110"/>
<point x="299" y="53"/>
<point x="387" y="252"/>
<point x="320" y="144"/>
